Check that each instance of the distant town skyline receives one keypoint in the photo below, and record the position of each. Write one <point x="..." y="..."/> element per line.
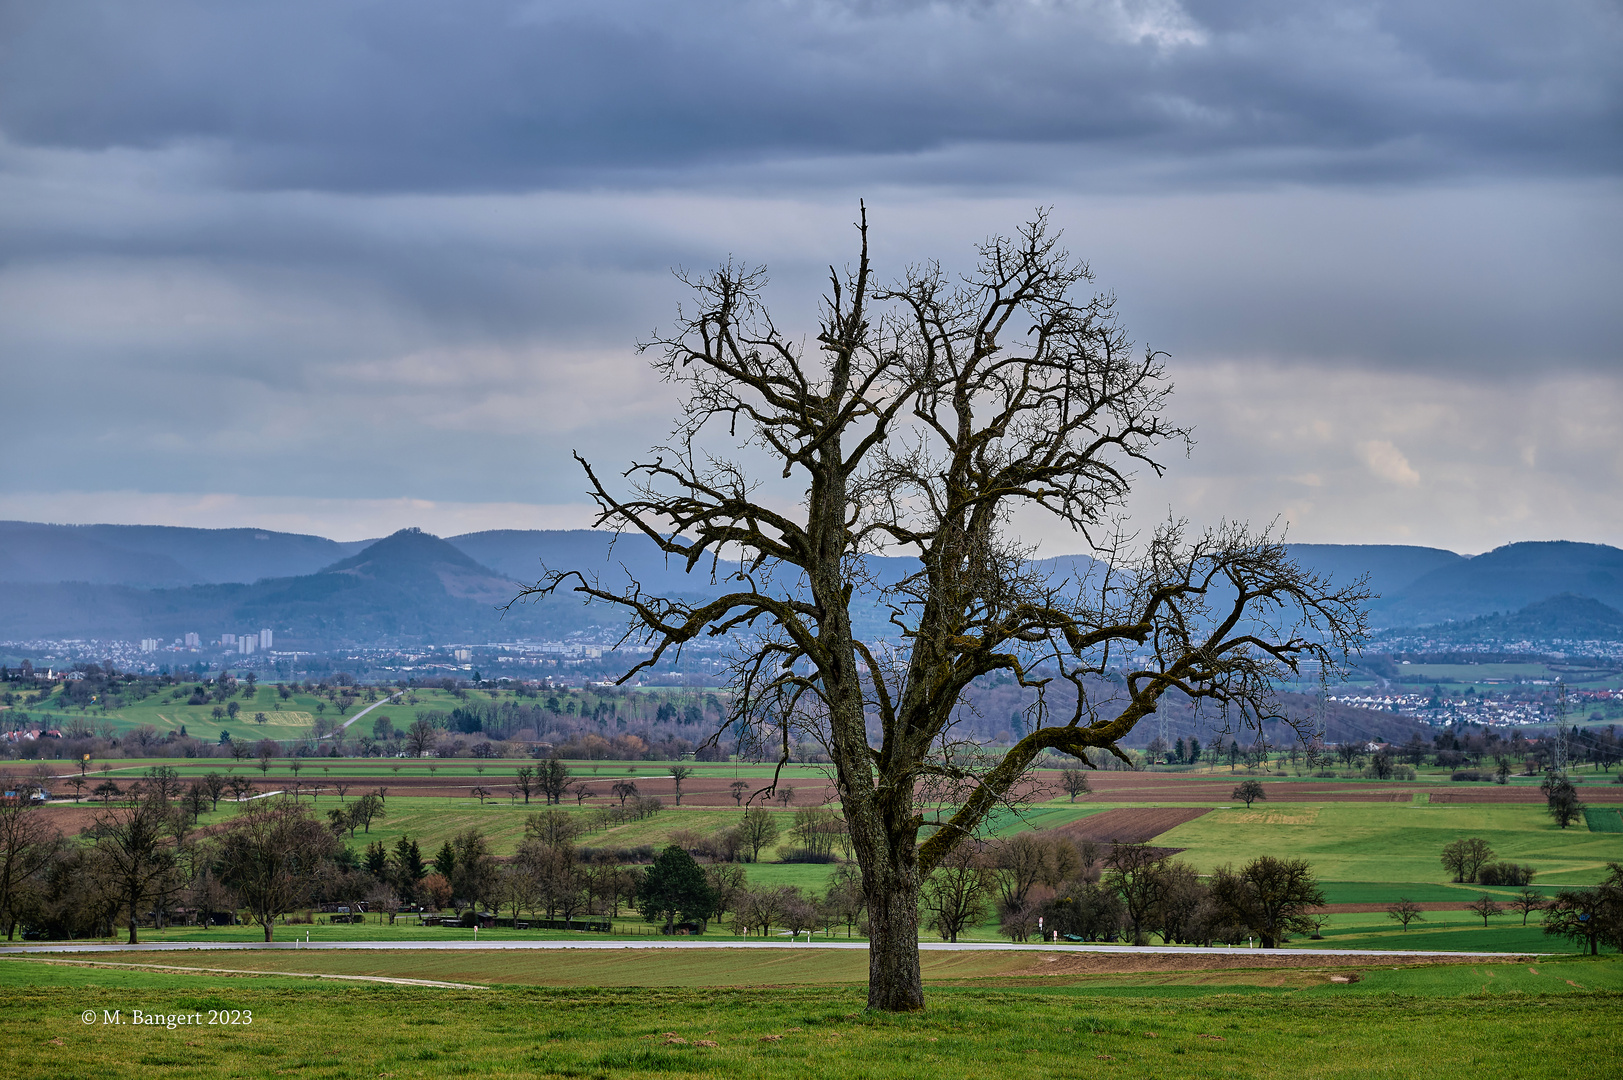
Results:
<point x="339" y="270"/>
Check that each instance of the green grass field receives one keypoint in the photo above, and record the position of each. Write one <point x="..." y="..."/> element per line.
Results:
<point x="291" y="718"/>
<point x="1394" y="842"/>
<point x="1465" y="1020"/>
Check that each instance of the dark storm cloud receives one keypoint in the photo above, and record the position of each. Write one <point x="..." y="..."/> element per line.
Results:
<point x="485" y="94"/>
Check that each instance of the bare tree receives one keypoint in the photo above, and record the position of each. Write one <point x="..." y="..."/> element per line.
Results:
<point x="1138" y="873"/>
<point x="955" y="894"/>
<point x="367" y="809"/>
<point x="421" y="737"/>
<point x="525" y="778"/>
<point x="270" y="856"/>
<point x="1528" y="901"/>
<point x="1405" y="911"/>
<point x="1562" y="798"/>
<point x="738" y="789"/>
<point x="930" y="412"/>
<point x="1486" y="907"/>
<point x="134" y="856"/>
<point x="758" y="827"/>
<point x="1273" y="897"/>
<point x="554" y="828"/>
<point x="215" y="785"/>
<point x="1019" y="863"/>
<point x="1249" y="792"/>
<point x="1074" y="781"/>
<point x="679" y="773"/>
<point x="552" y="778"/>
<point x="27" y="843"/>
<point x="1464" y="858"/>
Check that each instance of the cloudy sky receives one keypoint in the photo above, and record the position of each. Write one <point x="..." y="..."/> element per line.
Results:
<point x="342" y="266"/>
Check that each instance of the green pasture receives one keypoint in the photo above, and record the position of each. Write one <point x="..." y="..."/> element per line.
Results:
<point x="1460" y="1020"/>
<point x="494" y="773"/>
<point x="291" y="718"/>
<point x="1603" y="819"/>
<point x="1373" y="852"/>
<point x="1421" y="892"/>
<point x="1394" y="842"/>
<point x="1487" y="677"/>
<point x="1049" y="815"/>
<point x="1452" y="931"/>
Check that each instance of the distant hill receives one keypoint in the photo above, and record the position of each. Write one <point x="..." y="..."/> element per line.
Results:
<point x="1506" y="579"/>
<point x="1563" y="617"/>
<point x="130" y="581"/>
<point x="409" y="588"/>
<point x="154" y="556"/>
<point x="1390" y="567"/>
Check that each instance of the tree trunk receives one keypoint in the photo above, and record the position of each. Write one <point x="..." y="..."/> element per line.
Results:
<point x="1269" y="942"/>
<point x="133" y="940"/>
<point x="894" y="982"/>
<point x="268" y="927"/>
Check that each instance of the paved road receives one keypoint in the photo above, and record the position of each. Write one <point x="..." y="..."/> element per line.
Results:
<point x="690" y="943"/>
<point x="345" y="725"/>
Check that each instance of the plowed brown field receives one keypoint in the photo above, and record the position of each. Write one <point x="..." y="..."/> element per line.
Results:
<point x="1130" y="826"/>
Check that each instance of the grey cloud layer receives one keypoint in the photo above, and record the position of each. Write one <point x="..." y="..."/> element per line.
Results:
<point x="315" y="251"/>
<point x="484" y="94"/>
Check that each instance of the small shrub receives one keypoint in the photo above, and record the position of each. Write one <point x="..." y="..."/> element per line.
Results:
<point x="1505" y="873"/>
<point x="806" y="855"/>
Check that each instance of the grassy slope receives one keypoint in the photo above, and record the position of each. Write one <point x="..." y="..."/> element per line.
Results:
<point x="1465" y="1021"/>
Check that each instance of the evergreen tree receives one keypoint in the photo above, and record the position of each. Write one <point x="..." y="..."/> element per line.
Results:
<point x="675" y="886"/>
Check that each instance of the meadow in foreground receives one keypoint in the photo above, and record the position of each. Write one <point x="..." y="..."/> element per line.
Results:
<point x="1504" y="1020"/>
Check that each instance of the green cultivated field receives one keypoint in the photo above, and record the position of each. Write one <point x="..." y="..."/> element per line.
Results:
<point x="1466" y="1020"/>
<point x="1364" y="853"/>
<point x="1394" y="842"/>
<point x="291" y="718"/>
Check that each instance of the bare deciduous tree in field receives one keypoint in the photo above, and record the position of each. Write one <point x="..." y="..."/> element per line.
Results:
<point x="1405" y="911"/>
<point x="925" y="414"/>
<point x="1485" y="907"/>
<point x="679" y="773"/>
<point x="270" y="854"/>
<point x="1528" y="901"/>
<point x="27" y="845"/>
<point x="1249" y="792"/>
<point x="1464" y="858"/>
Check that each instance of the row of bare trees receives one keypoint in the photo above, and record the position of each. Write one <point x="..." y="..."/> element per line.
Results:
<point x="144" y="862"/>
<point x="1050" y="885"/>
